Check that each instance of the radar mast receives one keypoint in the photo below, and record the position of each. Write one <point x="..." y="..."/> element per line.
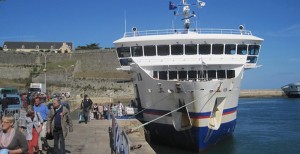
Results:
<point x="186" y="11"/>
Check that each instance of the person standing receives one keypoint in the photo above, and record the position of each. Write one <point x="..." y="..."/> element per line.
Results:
<point x="34" y="124"/>
<point x="120" y="109"/>
<point x="100" y="109"/>
<point x="24" y="100"/>
<point x="86" y="105"/>
<point x="95" y="111"/>
<point x="4" y="103"/>
<point x="59" y="122"/>
<point x="105" y="110"/>
<point x="43" y="110"/>
<point x="12" y="140"/>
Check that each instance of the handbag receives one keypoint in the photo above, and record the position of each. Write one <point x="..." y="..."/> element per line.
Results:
<point x="49" y="136"/>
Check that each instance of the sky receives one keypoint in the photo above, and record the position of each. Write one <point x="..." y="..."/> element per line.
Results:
<point x="102" y="22"/>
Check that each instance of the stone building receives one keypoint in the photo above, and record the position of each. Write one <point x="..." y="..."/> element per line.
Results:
<point x="57" y="47"/>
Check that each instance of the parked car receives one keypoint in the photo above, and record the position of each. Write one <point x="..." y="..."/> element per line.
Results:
<point x="9" y="91"/>
<point x="14" y="101"/>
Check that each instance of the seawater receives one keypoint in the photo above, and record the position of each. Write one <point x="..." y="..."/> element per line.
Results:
<point x="264" y="126"/>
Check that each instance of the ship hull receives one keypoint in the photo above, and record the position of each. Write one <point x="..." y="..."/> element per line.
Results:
<point x="194" y="139"/>
<point x="296" y="95"/>
<point x="195" y="116"/>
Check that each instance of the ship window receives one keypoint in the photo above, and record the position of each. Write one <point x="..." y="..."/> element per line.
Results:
<point x="124" y="62"/>
<point x="253" y="49"/>
<point x="230" y="74"/>
<point x="217" y="49"/>
<point x="182" y="75"/>
<point x="163" y="75"/>
<point x="221" y="74"/>
<point x="202" y="74"/>
<point x="190" y="49"/>
<point x="230" y="49"/>
<point x="242" y="49"/>
<point x="163" y="50"/>
<point x="192" y="75"/>
<point x="177" y="49"/>
<point x="172" y="75"/>
<point x="204" y="49"/>
<point x="137" y="51"/>
<point x="149" y="50"/>
<point x="123" y="52"/>
<point x="155" y="74"/>
<point x="251" y="59"/>
<point x="211" y="74"/>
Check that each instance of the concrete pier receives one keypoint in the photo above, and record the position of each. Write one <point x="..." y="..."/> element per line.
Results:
<point x="94" y="138"/>
<point x="262" y="93"/>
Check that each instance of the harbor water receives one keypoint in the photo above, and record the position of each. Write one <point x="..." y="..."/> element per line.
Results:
<point x="264" y="126"/>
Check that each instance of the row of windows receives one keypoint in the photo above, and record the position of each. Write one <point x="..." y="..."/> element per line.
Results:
<point x="188" y="49"/>
<point x="250" y="59"/>
<point x="37" y="47"/>
<point x="194" y="75"/>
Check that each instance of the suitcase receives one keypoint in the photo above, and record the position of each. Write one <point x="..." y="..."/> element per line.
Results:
<point x="81" y="119"/>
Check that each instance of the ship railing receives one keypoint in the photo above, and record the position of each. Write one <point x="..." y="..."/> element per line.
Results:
<point x="184" y="31"/>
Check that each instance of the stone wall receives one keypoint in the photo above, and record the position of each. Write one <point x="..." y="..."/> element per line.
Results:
<point x="94" y="72"/>
<point x="12" y="72"/>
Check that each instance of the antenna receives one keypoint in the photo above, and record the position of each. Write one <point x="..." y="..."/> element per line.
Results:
<point x="186" y="11"/>
<point x="125" y="22"/>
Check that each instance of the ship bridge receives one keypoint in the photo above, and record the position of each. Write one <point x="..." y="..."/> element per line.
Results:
<point x="181" y="47"/>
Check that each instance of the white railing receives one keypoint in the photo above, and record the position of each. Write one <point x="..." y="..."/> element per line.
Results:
<point x="183" y="31"/>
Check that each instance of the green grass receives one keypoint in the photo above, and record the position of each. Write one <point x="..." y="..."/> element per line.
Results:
<point x="54" y="66"/>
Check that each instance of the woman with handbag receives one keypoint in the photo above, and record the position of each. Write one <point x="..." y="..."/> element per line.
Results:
<point x="59" y="122"/>
<point x="34" y="123"/>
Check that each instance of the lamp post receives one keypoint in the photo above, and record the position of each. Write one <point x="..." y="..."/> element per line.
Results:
<point x="66" y="71"/>
<point x="45" y="67"/>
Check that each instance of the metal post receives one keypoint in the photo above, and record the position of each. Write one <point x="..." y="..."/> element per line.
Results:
<point x="45" y="68"/>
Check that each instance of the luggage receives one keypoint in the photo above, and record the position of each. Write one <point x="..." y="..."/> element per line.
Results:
<point x="81" y="119"/>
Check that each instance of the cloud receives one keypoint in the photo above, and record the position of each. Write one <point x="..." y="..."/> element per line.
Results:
<point x="293" y="30"/>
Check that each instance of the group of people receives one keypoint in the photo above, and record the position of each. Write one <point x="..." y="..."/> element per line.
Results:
<point x="31" y="136"/>
<point x="118" y="110"/>
<point x="92" y="111"/>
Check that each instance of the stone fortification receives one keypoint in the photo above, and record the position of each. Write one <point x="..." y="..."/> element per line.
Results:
<point x="18" y="58"/>
<point x="94" y="71"/>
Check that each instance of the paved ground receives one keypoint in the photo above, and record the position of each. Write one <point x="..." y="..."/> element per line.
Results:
<point x="93" y="138"/>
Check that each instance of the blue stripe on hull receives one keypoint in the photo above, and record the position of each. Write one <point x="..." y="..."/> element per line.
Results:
<point x="196" y="138"/>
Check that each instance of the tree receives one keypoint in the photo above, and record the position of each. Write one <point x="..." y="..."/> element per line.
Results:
<point x="88" y="47"/>
<point x="1" y="48"/>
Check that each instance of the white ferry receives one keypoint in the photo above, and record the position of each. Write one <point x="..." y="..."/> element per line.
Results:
<point x="292" y="90"/>
<point x="187" y="81"/>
